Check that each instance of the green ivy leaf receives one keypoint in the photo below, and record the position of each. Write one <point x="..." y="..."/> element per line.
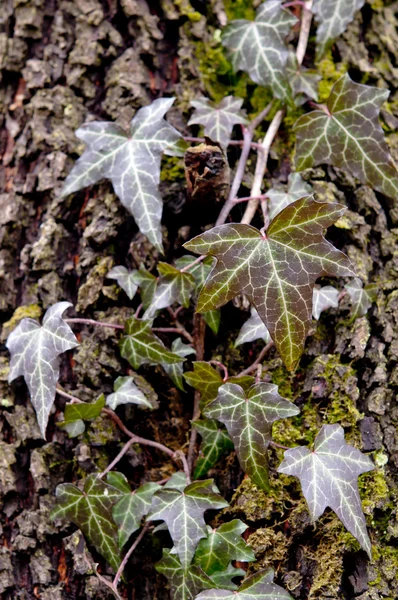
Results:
<point x="333" y="17"/>
<point x="253" y="329"/>
<point x="276" y="271"/>
<point x="323" y="298"/>
<point x="223" y="579"/>
<point x="279" y="198"/>
<point x="362" y="297"/>
<point x="73" y="429"/>
<point x="84" y="411"/>
<point x="178" y="481"/>
<point x="258" y="47"/>
<point x="348" y="135"/>
<point x="303" y="83"/>
<point x="207" y="380"/>
<point x="132" y="507"/>
<point x="131" y="161"/>
<point x="175" y="371"/>
<point x="147" y="284"/>
<point x="91" y="511"/>
<point x="212" y="318"/>
<point x="185" y="583"/>
<point x="127" y="392"/>
<point x="173" y="286"/>
<point x="223" y="545"/>
<point x="140" y="346"/>
<point x="34" y="353"/>
<point x="215" y="443"/>
<point x="259" y="586"/>
<point x="182" y="511"/>
<point x="218" y="119"/>
<point x="126" y="280"/>
<point x="328" y="477"/>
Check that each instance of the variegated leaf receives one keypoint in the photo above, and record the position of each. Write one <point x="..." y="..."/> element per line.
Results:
<point x="258" y="47"/>
<point x="127" y="392"/>
<point x="362" y="297"/>
<point x="185" y="584"/>
<point x="182" y="511"/>
<point x="248" y="418"/>
<point x="34" y="353"/>
<point x="328" y="477"/>
<point x="131" y="161"/>
<point x="259" y="586"/>
<point x="73" y="429"/>
<point x="175" y="371"/>
<point x="140" y="346"/>
<point x="147" y="284"/>
<point x="303" y="82"/>
<point x="126" y="280"/>
<point x="253" y="329"/>
<point x="280" y="198"/>
<point x="215" y="442"/>
<point x="218" y="120"/>
<point x="223" y="579"/>
<point x="333" y="17"/>
<point x="323" y="298"/>
<point x="276" y="270"/>
<point x="173" y="286"/>
<point x="347" y="134"/>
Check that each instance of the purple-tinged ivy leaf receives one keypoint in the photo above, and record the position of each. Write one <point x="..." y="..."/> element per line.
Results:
<point x="215" y="443"/>
<point x="259" y="586"/>
<point x="279" y="198"/>
<point x="329" y="477"/>
<point x="183" y="512"/>
<point x="348" y="135"/>
<point x="248" y="418"/>
<point x="173" y="286"/>
<point x="218" y="120"/>
<point x="323" y="298"/>
<point x="223" y="579"/>
<point x="34" y="351"/>
<point x="333" y="17"/>
<point x="303" y="82"/>
<point x="91" y="511"/>
<point x="253" y="329"/>
<point x="140" y="346"/>
<point x="126" y="391"/>
<point x="131" y="161"/>
<point x="175" y="371"/>
<point x="185" y="584"/>
<point x="126" y="279"/>
<point x="362" y="297"/>
<point x="276" y="271"/>
<point x="258" y="47"/>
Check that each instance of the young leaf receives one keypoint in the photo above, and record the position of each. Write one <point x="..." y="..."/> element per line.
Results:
<point x="248" y="418"/>
<point x="253" y="329"/>
<point x="218" y="120"/>
<point x="279" y="199"/>
<point x="303" y="83"/>
<point x="147" y="284"/>
<point x="127" y="392"/>
<point x="223" y="545"/>
<point x="34" y="353"/>
<point x="259" y="586"/>
<point x="131" y="161"/>
<point x="276" y="271"/>
<point x="132" y="506"/>
<point x="126" y="280"/>
<point x="348" y="135"/>
<point x="185" y="583"/>
<point x="215" y="442"/>
<point x="84" y="411"/>
<point x="328" y="477"/>
<point x="258" y="47"/>
<point x="173" y="286"/>
<point x="182" y="511"/>
<point x="91" y="511"/>
<point x="212" y="318"/>
<point x="140" y="346"/>
<point x="175" y="371"/>
<point x="73" y="429"/>
<point x="323" y="298"/>
<point x="333" y="17"/>
<point x="362" y="298"/>
<point x="207" y="380"/>
<point x="223" y="579"/>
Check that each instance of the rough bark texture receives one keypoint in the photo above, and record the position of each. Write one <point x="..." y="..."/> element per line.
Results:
<point x="63" y="62"/>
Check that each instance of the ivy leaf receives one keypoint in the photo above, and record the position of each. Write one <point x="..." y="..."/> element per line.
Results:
<point x="215" y="443"/>
<point x="178" y="481"/>
<point x="212" y="318"/>
<point x="348" y="135"/>
<point x="147" y="284"/>
<point x="362" y="297"/>
<point x="248" y="418"/>
<point x="279" y="199"/>
<point x="140" y="346"/>
<point x="207" y="380"/>
<point x="34" y="353"/>
<point x="303" y="83"/>
<point x="185" y="583"/>
<point x="91" y="511"/>
<point x="258" y="47"/>
<point x="253" y="329"/>
<point x="132" y="507"/>
<point x="126" y="280"/>
<point x="276" y="271"/>
<point x="173" y="286"/>
<point x="259" y="586"/>
<point x="127" y="392"/>
<point x="328" y="477"/>
<point x="84" y="411"/>
<point x="223" y="545"/>
<point x="323" y="298"/>
<point x="333" y="17"/>
<point x="131" y="161"/>
<point x="73" y="429"/>
<point x="218" y="120"/>
<point x="223" y="579"/>
<point x="182" y="511"/>
<point x="175" y="371"/>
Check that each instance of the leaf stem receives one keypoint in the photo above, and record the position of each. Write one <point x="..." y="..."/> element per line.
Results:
<point x="117" y="458"/>
<point x="231" y="142"/>
<point x="180" y="330"/>
<point x="258" y="360"/>
<point x="219" y="364"/>
<point x="68" y="396"/>
<point x="129" y="553"/>
<point x="93" y="322"/>
<point x="199" y="345"/>
<point x="279" y="445"/>
<point x="193" y="263"/>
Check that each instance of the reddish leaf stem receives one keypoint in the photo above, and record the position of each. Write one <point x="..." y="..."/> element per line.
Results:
<point x="93" y="322"/>
<point x="278" y="445"/>
<point x="219" y="364"/>
<point x="117" y="458"/>
<point x="129" y="553"/>
<point x="193" y="263"/>
<point x="180" y="330"/>
<point x="258" y="360"/>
